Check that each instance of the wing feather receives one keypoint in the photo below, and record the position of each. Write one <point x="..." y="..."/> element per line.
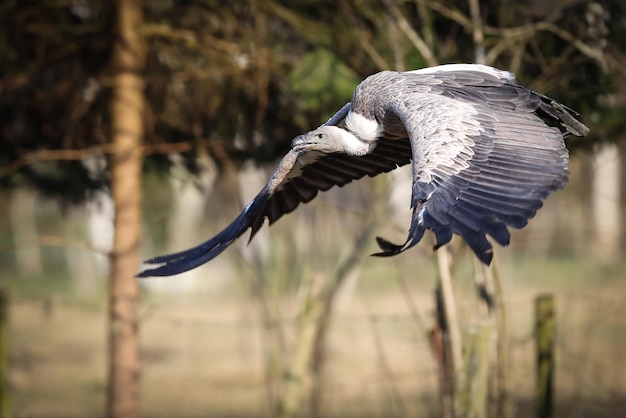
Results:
<point x="298" y="179"/>
<point x="484" y="158"/>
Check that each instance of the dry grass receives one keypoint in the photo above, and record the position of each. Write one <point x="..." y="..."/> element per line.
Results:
<point x="204" y="355"/>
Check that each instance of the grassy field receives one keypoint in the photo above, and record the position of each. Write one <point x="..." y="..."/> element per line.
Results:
<point x="204" y="354"/>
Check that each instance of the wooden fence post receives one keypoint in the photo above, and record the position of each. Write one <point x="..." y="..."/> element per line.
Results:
<point x="472" y="389"/>
<point x="5" y="401"/>
<point x="545" y="331"/>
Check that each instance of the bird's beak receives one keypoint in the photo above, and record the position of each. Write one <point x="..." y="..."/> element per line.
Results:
<point x="300" y="143"/>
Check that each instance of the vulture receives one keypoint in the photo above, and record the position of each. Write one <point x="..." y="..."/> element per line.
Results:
<point x="485" y="152"/>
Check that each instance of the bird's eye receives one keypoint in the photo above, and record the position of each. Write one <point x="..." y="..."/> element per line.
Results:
<point x="320" y="136"/>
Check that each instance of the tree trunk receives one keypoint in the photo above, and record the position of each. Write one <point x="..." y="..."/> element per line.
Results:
<point x="22" y="214"/>
<point x="5" y="347"/>
<point x="605" y="204"/>
<point x="127" y="132"/>
<point x="545" y="336"/>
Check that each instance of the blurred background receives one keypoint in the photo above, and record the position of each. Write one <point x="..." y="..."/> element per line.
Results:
<point x="301" y="322"/>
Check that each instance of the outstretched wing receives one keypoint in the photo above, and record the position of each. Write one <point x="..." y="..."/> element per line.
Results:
<point x="484" y="158"/>
<point x="297" y="179"/>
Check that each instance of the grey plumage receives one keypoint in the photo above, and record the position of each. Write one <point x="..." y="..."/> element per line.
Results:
<point x="486" y="152"/>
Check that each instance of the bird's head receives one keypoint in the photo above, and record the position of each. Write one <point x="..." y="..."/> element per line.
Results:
<point x="332" y="139"/>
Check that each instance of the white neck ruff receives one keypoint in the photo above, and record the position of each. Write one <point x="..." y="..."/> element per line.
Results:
<point x="366" y="129"/>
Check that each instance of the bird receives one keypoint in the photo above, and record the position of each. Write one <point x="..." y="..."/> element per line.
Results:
<point x="485" y="152"/>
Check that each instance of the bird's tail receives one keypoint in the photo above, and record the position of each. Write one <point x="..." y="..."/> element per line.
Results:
<point x="251" y="217"/>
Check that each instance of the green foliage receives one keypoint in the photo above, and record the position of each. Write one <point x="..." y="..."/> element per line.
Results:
<point x="321" y="83"/>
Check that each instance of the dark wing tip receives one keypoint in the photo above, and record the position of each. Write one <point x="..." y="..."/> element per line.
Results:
<point x="251" y="217"/>
<point x="194" y="257"/>
<point x="483" y="251"/>
<point x="388" y="249"/>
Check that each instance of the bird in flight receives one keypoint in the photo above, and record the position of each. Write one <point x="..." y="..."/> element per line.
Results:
<point x="485" y="152"/>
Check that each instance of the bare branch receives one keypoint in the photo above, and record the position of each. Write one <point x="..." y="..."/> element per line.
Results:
<point x="373" y="54"/>
<point x="361" y="35"/>
<point x="522" y="32"/>
<point x="444" y="262"/>
<point x="82" y="153"/>
<point x="505" y="44"/>
<point x="477" y="32"/>
<point x="396" y="45"/>
<point x="189" y="37"/>
<point x="450" y="12"/>
<point x="518" y="55"/>
<point x="585" y="49"/>
<point x="427" y="24"/>
<point x="52" y="155"/>
<point x="410" y="33"/>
